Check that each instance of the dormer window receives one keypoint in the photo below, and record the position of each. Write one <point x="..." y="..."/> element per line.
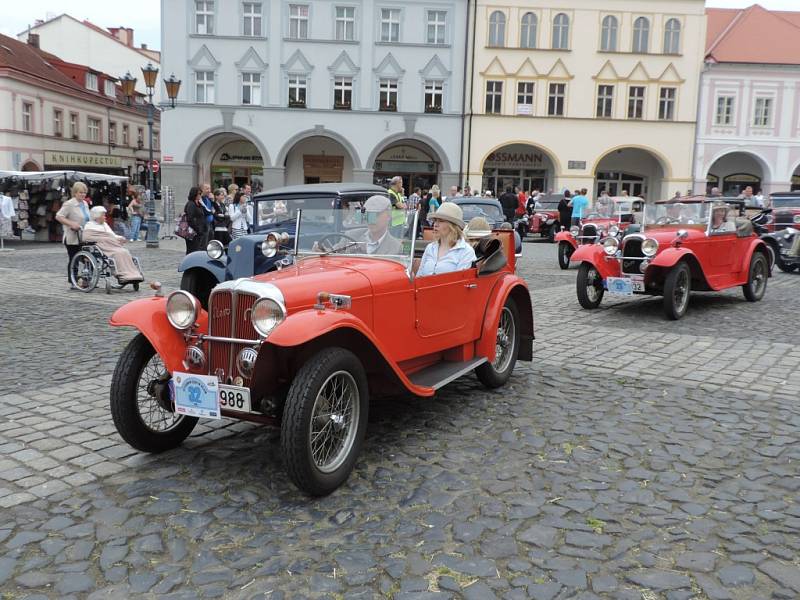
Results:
<point x="110" y="89"/>
<point x="91" y="82"/>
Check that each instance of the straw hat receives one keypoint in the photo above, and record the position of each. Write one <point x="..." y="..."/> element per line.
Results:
<point x="450" y="212"/>
<point x="478" y="227"/>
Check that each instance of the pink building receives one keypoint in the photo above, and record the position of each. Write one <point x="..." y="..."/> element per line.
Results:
<point x="748" y="123"/>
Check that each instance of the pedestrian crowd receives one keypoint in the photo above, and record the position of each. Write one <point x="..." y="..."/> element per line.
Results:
<point x="223" y="215"/>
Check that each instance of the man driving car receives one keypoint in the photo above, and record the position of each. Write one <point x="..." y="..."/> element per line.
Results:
<point x="376" y="238"/>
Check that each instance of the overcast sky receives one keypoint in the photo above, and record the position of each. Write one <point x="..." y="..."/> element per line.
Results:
<point x="144" y="15"/>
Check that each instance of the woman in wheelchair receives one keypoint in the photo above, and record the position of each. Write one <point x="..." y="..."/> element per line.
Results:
<point x="449" y="251"/>
<point x="98" y="232"/>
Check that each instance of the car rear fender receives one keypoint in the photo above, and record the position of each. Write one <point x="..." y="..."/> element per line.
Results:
<point x="514" y="287"/>
<point x="596" y="256"/>
<point x="200" y="260"/>
<point x="757" y="245"/>
<point x="566" y="236"/>
<point x="303" y="333"/>
<point x="149" y="316"/>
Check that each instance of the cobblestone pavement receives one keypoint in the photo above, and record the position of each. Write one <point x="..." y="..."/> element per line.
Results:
<point x="634" y="458"/>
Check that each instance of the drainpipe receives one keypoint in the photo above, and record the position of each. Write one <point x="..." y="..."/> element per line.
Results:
<point x="703" y="72"/>
<point x="463" y="100"/>
<point x="471" y="81"/>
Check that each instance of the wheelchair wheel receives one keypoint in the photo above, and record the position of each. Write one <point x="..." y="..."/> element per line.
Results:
<point x="136" y="287"/>
<point x="84" y="272"/>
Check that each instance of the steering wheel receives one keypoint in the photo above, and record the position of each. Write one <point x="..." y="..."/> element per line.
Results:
<point x="666" y="221"/>
<point x="333" y="236"/>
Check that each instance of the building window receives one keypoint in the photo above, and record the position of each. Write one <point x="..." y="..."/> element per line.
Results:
<point x="763" y="115"/>
<point x="342" y="93"/>
<point x="204" y="16"/>
<point x="345" y="23"/>
<point x="125" y="135"/>
<point x="298" y="21"/>
<point x="73" y="125"/>
<point x="666" y="104"/>
<point x="112" y="132"/>
<point x="608" y="36"/>
<point x="93" y="127"/>
<point x="497" y="29"/>
<point x="605" y="101"/>
<point x="525" y="98"/>
<point x="434" y="91"/>
<point x="724" y="114"/>
<point x="555" y="99"/>
<point x="252" y="19"/>
<point x="58" y="123"/>
<point x="204" y="87"/>
<point x="636" y="102"/>
<point x="494" y="97"/>
<point x="672" y="37"/>
<point x="111" y="90"/>
<point x="251" y="88"/>
<point x="155" y="140"/>
<point x="436" y="26"/>
<point x="527" y="35"/>
<point x="27" y="116"/>
<point x="560" y="32"/>
<point x="641" y="35"/>
<point x="388" y="94"/>
<point x="91" y="82"/>
<point x="140" y="137"/>
<point x="297" y="91"/>
<point x="390" y="24"/>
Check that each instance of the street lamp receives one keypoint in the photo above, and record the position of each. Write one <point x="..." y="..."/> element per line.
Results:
<point x="150" y="74"/>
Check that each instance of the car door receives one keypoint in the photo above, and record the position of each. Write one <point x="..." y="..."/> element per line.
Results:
<point x="446" y="307"/>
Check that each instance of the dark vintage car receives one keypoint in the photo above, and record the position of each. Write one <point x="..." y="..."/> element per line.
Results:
<point x="785" y="211"/>
<point x="488" y="208"/>
<point x="785" y="245"/>
<point x="273" y="211"/>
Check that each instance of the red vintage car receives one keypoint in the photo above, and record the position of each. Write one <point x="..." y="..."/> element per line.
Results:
<point x="785" y="211"/>
<point x="614" y="217"/>
<point x="689" y="245"/>
<point x="545" y="220"/>
<point x="305" y="347"/>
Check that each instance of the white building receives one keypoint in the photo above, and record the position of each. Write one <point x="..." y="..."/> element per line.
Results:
<point x="110" y="50"/>
<point x="281" y="92"/>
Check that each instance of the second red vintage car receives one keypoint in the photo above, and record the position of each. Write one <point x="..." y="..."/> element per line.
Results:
<point x="614" y="215"/>
<point x="685" y="246"/>
<point x="306" y="347"/>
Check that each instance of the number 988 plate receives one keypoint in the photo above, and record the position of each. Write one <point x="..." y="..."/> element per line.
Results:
<point x="234" y="398"/>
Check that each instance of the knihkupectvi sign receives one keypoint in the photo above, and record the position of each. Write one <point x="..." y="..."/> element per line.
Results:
<point x="79" y="159"/>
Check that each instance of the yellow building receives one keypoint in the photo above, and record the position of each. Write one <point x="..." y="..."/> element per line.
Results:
<point x="601" y="95"/>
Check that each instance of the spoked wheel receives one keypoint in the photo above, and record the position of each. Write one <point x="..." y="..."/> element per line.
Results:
<point x="324" y="421"/>
<point x="589" y="286"/>
<point x="677" y="289"/>
<point x="757" y="280"/>
<point x="565" y="251"/>
<point x="498" y="372"/>
<point x="140" y="404"/>
<point x="84" y="272"/>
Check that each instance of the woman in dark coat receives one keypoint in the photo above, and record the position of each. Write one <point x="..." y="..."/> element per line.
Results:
<point x="196" y="216"/>
<point x="564" y="211"/>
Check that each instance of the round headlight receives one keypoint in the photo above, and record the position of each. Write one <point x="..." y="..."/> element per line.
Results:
<point x="649" y="247"/>
<point x="574" y="230"/>
<point x="182" y="309"/>
<point x="796" y="219"/>
<point x="215" y="249"/>
<point x="266" y="315"/>
<point x="610" y="245"/>
<point x="613" y="230"/>
<point x="269" y="247"/>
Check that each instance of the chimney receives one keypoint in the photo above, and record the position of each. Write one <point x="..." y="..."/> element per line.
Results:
<point x="33" y="39"/>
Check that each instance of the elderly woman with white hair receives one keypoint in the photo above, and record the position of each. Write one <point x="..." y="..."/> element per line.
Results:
<point x="98" y="231"/>
<point x="449" y="251"/>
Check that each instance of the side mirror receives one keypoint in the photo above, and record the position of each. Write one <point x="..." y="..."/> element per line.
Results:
<point x="682" y="234"/>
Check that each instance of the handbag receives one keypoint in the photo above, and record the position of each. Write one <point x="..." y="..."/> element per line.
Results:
<point x="183" y="229"/>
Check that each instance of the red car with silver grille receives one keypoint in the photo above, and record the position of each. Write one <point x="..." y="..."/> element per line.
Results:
<point x="305" y="347"/>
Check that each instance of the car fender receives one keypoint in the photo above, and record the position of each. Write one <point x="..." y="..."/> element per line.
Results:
<point x="669" y="257"/>
<point x="200" y="260"/>
<point x="755" y="246"/>
<point x="566" y="236"/>
<point x="307" y="325"/>
<point x="513" y="286"/>
<point x="596" y="256"/>
<point x="149" y="316"/>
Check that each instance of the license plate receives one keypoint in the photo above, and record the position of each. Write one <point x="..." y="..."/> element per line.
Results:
<point x="196" y="395"/>
<point x="637" y="282"/>
<point x="620" y="286"/>
<point x="235" y="398"/>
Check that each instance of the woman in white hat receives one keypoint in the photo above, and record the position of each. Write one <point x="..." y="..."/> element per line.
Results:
<point x="449" y="252"/>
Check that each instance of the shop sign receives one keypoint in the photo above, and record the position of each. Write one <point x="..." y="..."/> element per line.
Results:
<point x="396" y="166"/>
<point x="238" y="152"/>
<point x="404" y="153"/>
<point x="79" y="159"/>
<point x="322" y="161"/>
<point x="576" y="164"/>
<point x="515" y="157"/>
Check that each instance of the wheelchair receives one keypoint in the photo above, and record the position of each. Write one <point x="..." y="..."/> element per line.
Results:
<point x="90" y="265"/>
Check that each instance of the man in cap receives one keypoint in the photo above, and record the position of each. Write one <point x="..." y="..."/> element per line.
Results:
<point x="376" y="238"/>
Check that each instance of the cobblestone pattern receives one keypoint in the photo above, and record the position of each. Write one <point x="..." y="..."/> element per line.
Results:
<point x="634" y="458"/>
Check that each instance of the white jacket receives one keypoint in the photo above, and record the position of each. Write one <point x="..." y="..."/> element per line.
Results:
<point x="239" y="218"/>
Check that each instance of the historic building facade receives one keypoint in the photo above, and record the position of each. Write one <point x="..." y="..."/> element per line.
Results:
<point x="749" y="118"/>
<point x="283" y="92"/>
<point x="584" y="94"/>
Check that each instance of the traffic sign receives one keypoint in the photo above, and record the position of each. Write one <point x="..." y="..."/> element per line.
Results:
<point x="154" y="166"/>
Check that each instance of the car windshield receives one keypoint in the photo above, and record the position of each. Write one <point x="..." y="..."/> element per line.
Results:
<point x="357" y="228"/>
<point x="786" y="202"/>
<point x="547" y="205"/>
<point x="490" y="212"/>
<point x="617" y="210"/>
<point x="272" y="210"/>
<point x="669" y="214"/>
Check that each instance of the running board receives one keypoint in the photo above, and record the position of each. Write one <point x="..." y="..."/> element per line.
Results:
<point x="442" y="373"/>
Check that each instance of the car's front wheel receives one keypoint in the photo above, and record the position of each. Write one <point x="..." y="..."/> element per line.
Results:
<point x="783" y="265"/>
<point x="324" y="421"/>
<point x="757" y="279"/>
<point x="677" y="288"/>
<point x="199" y="284"/>
<point x="565" y="251"/>
<point x="140" y="404"/>
<point x="496" y="373"/>
<point x="589" y="286"/>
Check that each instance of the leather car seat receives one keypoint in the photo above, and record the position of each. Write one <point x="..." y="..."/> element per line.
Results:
<point x="489" y="254"/>
<point x="744" y="227"/>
